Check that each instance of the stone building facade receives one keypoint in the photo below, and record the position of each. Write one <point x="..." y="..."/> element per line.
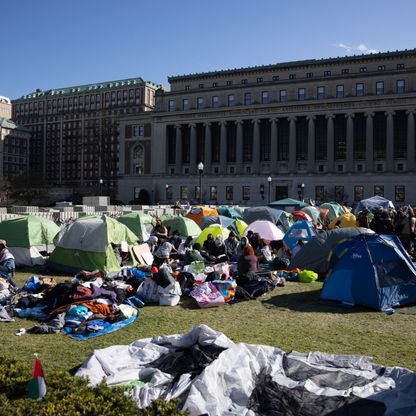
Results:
<point x="327" y="129"/>
<point x="75" y="131"/>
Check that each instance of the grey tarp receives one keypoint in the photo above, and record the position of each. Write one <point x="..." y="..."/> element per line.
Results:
<point x="230" y="381"/>
<point x="314" y="255"/>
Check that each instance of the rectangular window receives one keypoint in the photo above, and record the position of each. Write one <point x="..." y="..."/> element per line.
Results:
<point x="229" y="193"/>
<point x="327" y="73"/>
<point x="319" y="193"/>
<point x="400" y="66"/>
<point x="138" y="131"/>
<point x="283" y="95"/>
<point x="358" y="193"/>
<point x="363" y="69"/>
<point x="229" y="83"/>
<point x="187" y="87"/>
<point x="185" y="104"/>
<point x="265" y="97"/>
<point x="215" y="84"/>
<point x="359" y="90"/>
<point x="309" y="74"/>
<point x="292" y="76"/>
<point x="246" y="193"/>
<point x="169" y="193"/>
<point x="339" y="193"/>
<point x="275" y="78"/>
<point x="184" y="193"/>
<point x="379" y="190"/>
<point x="231" y="100"/>
<point x="171" y="105"/>
<point x="400" y="193"/>
<point x="320" y="93"/>
<point x="244" y="81"/>
<point x="213" y="195"/>
<point x="381" y="68"/>
<point x="247" y="98"/>
<point x="260" y="79"/>
<point x="215" y="101"/>
<point x="301" y="94"/>
<point x="340" y="91"/>
<point x="400" y="86"/>
<point x="200" y="85"/>
<point x="379" y="88"/>
<point x="200" y="102"/>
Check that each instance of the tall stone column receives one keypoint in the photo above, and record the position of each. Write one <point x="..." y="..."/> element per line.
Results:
<point x="350" y="142"/>
<point x="273" y="145"/>
<point x="256" y="146"/>
<point x="239" y="147"/>
<point x="389" y="141"/>
<point x="330" y="143"/>
<point x="223" y="147"/>
<point x="208" y="150"/>
<point x="369" y="142"/>
<point x="178" y="154"/>
<point x="192" y="159"/>
<point x="410" y="164"/>
<point x="311" y="143"/>
<point x="292" y="144"/>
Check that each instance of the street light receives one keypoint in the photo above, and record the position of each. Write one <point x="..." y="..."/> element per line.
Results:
<point x="101" y="187"/>
<point x="200" y="170"/>
<point x="301" y="188"/>
<point x="269" y="181"/>
<point x="166" y="193"/>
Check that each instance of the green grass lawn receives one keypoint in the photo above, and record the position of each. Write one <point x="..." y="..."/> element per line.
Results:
<point x="291" y="318"/>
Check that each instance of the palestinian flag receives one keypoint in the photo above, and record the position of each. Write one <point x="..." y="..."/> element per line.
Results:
<point x="37" y="386"/>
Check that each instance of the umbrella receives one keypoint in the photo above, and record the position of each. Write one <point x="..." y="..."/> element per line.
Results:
<point x="185" y="226"/>
<point x="215" y="219"/>
<point x="213" y="229"/>
<point x="266" y="229"/>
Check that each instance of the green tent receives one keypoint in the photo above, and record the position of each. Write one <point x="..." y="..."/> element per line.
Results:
<point x="185" y="226"/>
<point x="139" y="223"/>
<point x="26" y="236"/>
<point x="86" y="244"/>
<point x="335" y="209"/>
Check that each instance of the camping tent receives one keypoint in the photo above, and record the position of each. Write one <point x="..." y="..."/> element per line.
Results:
<point x="334" y="209"/>
<point x="86" y="244"/>
<point x="371" y="270"/>
<point x="288" y="204"/>
<point x="26" y="236"/>
<point x="266" y="229"/>
<point x="229" y="212"/>
<point x="184" y="226"/>
<point x="300" y="230"/>
<point x="373" y="203"/>
<point x="139" y="223"/>
<point x="196" y="213"/>
<point x="213" y="229"/>
<point x="345" y="220"/>
<point x="314" y="255"/>
<point x="277" y="216"/>
<point x="215" y="219"/>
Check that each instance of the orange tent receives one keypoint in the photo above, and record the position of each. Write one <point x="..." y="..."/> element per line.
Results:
<point x="196" y="213"/>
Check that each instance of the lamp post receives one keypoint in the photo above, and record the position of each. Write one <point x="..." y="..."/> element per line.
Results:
<point x="166" y="193"/>
<point x="269" y="181"/>
<point x="200" y="170"/>
<point x="301" y="188"/>
<point x="101" y="186"/>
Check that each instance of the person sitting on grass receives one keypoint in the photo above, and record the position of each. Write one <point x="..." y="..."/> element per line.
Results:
<point x="7" y="263"/>
<point x="193" y="255"/>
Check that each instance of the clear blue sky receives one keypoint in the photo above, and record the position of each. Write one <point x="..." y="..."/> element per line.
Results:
<point x="58" y="43"/>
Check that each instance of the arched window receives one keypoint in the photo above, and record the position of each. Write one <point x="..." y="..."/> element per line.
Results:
<point x="138" y="160"/>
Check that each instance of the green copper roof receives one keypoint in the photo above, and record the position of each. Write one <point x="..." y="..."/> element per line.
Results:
<point x="11" y="125"/>
<point x="96" y="87"/>
<point x="294" y="64"/>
